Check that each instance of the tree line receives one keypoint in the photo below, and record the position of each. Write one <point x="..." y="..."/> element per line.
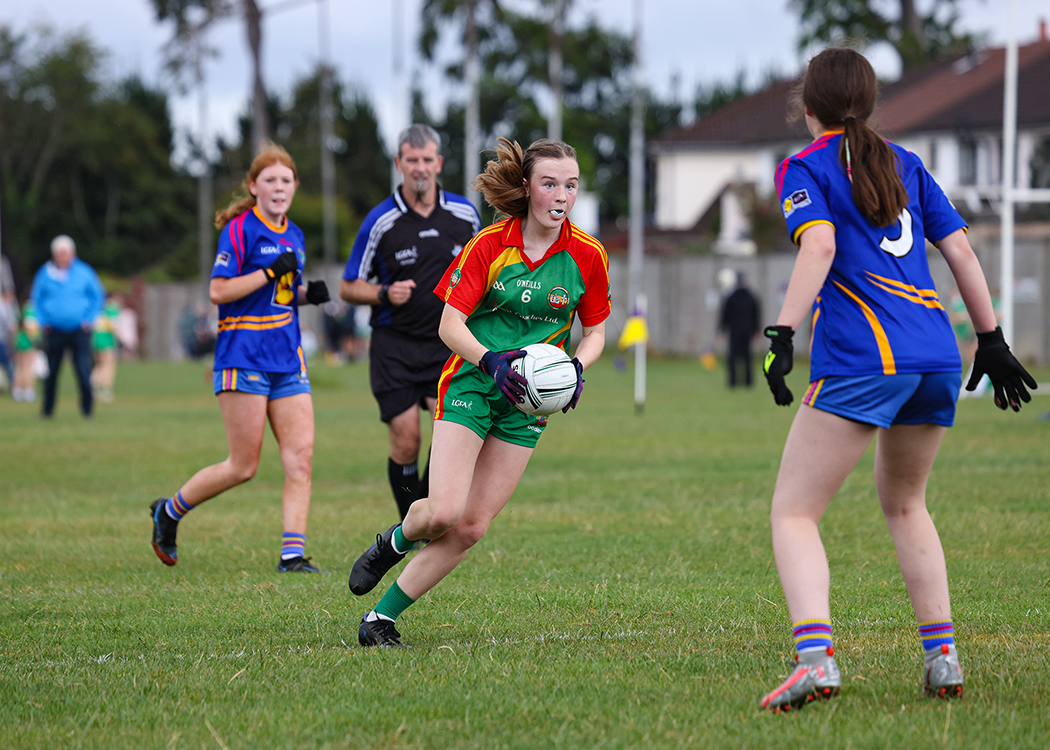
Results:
<point x="93" y="158"/>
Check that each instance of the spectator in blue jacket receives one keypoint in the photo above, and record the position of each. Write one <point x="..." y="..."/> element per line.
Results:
<point x="67" y="296"/>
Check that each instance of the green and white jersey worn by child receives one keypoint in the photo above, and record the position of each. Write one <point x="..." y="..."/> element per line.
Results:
<point x="511" y="302"/>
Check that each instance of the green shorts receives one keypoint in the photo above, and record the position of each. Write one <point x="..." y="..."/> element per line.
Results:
<point x="469" y="397"/>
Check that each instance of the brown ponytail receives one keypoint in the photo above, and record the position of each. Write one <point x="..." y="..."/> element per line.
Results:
<point x="270" y="154"/>
<point x="840" y="90"/>
<point x="503" y="182"/>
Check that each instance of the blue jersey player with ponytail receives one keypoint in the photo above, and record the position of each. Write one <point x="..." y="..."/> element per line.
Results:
<point x="259" y="371"/>
<point x="884" y="363"/>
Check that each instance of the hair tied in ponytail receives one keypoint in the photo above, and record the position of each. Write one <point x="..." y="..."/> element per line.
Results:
<point x="847" y="118"/>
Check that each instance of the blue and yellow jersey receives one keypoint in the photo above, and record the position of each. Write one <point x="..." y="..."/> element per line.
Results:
<point x="261" y="330"/>
<point x="878" y="311"/>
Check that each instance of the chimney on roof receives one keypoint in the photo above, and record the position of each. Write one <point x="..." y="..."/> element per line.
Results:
<point x="1042" y="29"/>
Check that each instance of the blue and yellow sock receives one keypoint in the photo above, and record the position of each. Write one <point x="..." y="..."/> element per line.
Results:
<point x="292" y="545"/>
<point x="936" y="634"/>
<point x="176" y="507"/>
<point x="812" y="635"/>
<point x="394" y="602"/>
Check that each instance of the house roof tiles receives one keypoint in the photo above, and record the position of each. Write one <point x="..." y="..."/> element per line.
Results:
<point x="964" y="92"/>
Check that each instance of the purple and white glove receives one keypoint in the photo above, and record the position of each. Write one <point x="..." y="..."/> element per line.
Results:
<point x="579" y="387"/>
<point x="510" y="383"/>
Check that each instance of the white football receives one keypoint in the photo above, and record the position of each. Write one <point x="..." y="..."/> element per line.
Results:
<point x="550" y="377"/>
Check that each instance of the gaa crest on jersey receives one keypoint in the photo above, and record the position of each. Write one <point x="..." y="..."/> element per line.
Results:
<point x="558" y="297"/>
<point x="454" y="279"/>
<point x="798" y="199"/>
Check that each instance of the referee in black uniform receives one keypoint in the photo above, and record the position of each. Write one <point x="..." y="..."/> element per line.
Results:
<point x="400" y="253"/>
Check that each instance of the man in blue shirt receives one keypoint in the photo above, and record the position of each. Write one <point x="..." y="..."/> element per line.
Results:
<point x="67" y="296"/>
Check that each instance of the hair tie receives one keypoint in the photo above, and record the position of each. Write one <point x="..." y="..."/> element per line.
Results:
<point x="847" y="118"/>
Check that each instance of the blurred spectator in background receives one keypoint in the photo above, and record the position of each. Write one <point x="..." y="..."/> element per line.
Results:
<point x="104" y="342"/>
<point x="127" y="329"/>
<point x="197" y="332"/>
<point x="67" y="297"/>
<point x="8" y="326"/>
<point x="8" y="321"/>
<point x="340" y="332"/>
<point x="738" y="322"/>
<point x="966" y="338"/>
<point x="27" y="339"/>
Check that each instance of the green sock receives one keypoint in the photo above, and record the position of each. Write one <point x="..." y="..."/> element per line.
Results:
<point x="401" y="544"/>
<point x="394" y="602"/>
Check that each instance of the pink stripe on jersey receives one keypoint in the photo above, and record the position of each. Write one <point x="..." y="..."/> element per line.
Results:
<point x="815" y="146"/>
<point x="237" y="239"/>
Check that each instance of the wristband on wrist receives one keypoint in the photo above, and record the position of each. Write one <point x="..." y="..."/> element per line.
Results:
<point x="384" y="295"/>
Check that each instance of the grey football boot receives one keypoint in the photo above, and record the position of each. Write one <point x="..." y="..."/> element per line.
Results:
<point x="944" y="677"/>
<point x="816" y="677"/>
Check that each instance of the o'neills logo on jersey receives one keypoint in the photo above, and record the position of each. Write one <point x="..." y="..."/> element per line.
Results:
<point x="454" y="279"/>
<point x="558" y="298"/>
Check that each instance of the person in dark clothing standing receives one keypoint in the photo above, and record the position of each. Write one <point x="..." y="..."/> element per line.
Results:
<point x="739" y="323"/>
<point x="402" y="249"/>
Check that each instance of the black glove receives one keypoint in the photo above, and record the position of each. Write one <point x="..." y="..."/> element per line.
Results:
<point x="284" y="263"/>
<point x="579" y="387"/>
<point x="317" y="292"/>
<point x="511" y="384"/>
<point x="779" y="361"/>
<point x="993" y="358"/>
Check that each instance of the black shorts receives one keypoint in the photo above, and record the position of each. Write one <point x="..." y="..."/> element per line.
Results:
<point x="404" y="370"/>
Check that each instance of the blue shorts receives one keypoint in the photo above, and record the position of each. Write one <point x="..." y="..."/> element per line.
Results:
<point x="273" y="385"/>
<point x="886" y="400"/>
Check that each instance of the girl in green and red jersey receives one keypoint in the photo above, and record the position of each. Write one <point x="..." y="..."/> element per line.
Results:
<point x="521" y="281"/>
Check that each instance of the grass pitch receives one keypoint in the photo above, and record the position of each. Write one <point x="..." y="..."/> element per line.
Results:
<point x="626" y="598"/>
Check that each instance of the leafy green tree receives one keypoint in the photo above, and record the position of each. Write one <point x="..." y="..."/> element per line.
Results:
<point x="597" y="85"/>
<point x="84" y="157"/>
<point x="917" y="36"/>
<point x="187" y="48"/>
<point x="362" y="166"/>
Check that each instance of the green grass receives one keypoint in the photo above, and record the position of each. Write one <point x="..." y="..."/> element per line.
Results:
<point x="626" y="598"/>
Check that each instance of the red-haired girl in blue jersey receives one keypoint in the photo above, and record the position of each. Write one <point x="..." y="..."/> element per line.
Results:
<point x="884" y="362"/>
<point x="259" y="371"/>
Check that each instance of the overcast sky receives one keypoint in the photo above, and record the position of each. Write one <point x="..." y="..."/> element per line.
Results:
<point x="689" y="41"/>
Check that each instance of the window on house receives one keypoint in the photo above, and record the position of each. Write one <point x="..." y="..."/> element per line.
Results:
<point x="967" y="161"/>
<point x="1040" y="165"/>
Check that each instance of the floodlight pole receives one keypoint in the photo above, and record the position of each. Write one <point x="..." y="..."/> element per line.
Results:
<point x="327" y="160"/>
<point x="636" y="235"/>
<point x="555" y="74"/>
<point x="472" y="135"/>
<point x="397" y="69"/>
<point x="1006" y="275"/>
<point x="205" y="197"/>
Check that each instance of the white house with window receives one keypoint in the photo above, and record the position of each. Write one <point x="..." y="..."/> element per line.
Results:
<point x="949" y="113"/>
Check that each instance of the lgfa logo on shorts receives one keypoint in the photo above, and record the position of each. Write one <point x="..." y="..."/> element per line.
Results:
<point x="558" y="297"/>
